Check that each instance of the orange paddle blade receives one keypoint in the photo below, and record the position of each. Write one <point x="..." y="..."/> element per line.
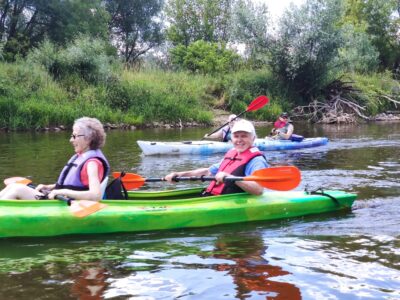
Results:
<point x="130" y="180"/>
<point x="83" y="208"/>
<point x="21" y="180"/>
<point x="277" y="178"/>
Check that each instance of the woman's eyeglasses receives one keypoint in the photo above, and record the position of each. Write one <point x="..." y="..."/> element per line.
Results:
<point x="74" y="136"/>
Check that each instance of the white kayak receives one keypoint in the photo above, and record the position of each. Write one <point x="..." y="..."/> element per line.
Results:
<point x="211" y="147"/>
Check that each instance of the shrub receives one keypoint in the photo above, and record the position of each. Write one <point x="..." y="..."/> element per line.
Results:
<point x="244" y="86"/>
<point x="375" y="91"/>
<point x="160" y="96"/>
<point x="85" y="58"/>
<point x="204" y="58"/>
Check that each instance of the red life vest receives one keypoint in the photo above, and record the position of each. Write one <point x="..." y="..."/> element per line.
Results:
<point x="233" y="163"/>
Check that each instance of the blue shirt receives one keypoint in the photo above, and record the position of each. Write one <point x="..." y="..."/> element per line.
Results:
<point x="257" y="163"/>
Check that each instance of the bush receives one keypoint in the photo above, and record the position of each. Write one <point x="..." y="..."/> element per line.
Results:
<point x="304" y="53"/>
<point x="375" y="91"/>
<point x="244" y="86"/>
<point x="160" y="96"/>
<point x="204" y="58"/>
<point x="357" y="54"/>
<point x="85" y="58"/>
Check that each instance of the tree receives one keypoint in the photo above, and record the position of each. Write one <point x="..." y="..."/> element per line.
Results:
<point x="135" y="26"/>
<point x="193" y="20"/>
<point x="25" y="24"/>
<point x="204" y="57"/>
<point x="249" y="27"/>
<point x="84" y="58"/>
<point x="357" y="53"/>
<point x="303" y="54"/>
<point x="380" y="20"/>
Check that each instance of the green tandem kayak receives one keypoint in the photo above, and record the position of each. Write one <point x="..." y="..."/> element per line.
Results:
<point x="147" y="211"/>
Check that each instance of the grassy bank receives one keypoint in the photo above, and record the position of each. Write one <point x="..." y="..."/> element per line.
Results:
<point x="30" y="98"/>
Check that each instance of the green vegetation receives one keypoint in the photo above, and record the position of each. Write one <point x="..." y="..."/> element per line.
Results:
<point x="325" y="59"/>
<point x="204" y="58"/>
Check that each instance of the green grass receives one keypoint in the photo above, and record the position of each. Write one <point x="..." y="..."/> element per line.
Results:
<point x="30" y="98"/>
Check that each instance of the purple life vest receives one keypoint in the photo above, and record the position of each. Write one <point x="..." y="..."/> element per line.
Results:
<point x="70" y="177"/>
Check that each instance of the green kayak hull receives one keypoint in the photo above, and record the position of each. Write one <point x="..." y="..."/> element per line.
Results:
<point x="146" y="211"/>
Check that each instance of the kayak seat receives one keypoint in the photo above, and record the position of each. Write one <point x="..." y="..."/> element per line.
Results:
<point x="296" y="138"/>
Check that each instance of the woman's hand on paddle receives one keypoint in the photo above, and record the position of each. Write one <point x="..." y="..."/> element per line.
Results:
<point x="45" y="188"/>
<point x="54" y="193"/>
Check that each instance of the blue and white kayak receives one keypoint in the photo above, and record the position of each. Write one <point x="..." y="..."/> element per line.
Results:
<point x="212" y="147"/>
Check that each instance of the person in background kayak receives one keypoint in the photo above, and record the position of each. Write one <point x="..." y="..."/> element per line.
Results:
<point x="224" y="134"/>
<point x="242" y="160"/>
<point x="81" y="177"/>
<point x="283" y="128"/>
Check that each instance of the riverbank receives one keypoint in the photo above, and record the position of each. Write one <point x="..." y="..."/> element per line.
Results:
<point x="219" y="119"/>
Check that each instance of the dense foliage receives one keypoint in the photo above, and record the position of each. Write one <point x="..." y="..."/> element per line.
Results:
<point x="135" y="26"/>
<point x="308" y="42"/>
<point x="204" y="58"/>
<point x="193" y="20"/>
<point x="194" y="55"/>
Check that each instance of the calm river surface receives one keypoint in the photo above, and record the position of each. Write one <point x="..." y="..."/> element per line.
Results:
<point x="351" y="255"/>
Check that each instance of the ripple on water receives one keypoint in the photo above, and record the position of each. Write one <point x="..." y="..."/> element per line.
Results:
<point x="338" y="268"/>
<point x="362" y="143"/>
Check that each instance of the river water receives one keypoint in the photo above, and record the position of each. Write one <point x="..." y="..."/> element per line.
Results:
<point x="348" y="255"/>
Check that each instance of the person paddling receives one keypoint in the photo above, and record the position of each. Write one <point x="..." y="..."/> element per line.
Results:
<point x="224" y="134"/>
<point x="242" y="160"/>
<point x="82" y="176"/>
<point x="283" y="128"/>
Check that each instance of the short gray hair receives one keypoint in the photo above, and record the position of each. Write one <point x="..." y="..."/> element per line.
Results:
<point x="93" y="130"/>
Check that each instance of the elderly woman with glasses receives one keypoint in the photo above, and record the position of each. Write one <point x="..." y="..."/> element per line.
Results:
<point x="81" y="177"/>
<point x="283" y="128"/>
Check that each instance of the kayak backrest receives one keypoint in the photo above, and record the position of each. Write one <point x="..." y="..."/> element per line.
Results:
<point x="103" y="186"/>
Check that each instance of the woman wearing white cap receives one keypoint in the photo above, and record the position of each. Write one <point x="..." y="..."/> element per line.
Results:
<point x="242" y="160"/>
<point x="224" y="134"/>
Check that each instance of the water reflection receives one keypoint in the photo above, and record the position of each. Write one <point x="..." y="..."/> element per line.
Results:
<point x="251" y="272"/>
<point x="90" y="283"/>
<point x="350" y="255"/>
<point x="312" y="258"/>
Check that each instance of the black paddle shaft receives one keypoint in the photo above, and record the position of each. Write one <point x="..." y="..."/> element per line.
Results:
<point x="194" y="178"/>
<point x="58" y="197"/>
<point x="226" y="124"/>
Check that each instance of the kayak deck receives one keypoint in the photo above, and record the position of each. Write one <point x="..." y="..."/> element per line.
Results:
<point x="146" y="211"/>
<point x="212" y="147"/>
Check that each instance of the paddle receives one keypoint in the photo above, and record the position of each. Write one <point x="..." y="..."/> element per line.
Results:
<point x="276" y="178"/>
<point x="79" y="208"/>
<point x="256" y="104"/>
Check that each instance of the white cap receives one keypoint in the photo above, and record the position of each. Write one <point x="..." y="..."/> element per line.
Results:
<point x="244" y="125"/>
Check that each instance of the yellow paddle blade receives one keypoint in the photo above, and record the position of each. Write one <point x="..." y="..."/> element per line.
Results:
<point x="17" y="179"/>
<point x="83" y="208"/>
